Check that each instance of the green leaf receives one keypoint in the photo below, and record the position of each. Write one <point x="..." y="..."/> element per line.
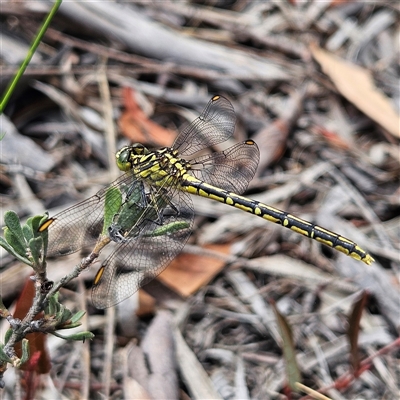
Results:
<point x="36" y="247"/>
<point x="13" y="241"/>
<point x="60" y="312"/>
<point x="10" y="249"/>
<point x="35" y="221"/>
<point x="132" y="209"/>
<point x="69" y="321"/>
<point x="11" y="220"/>
<point x="53" y="305"/>
<point x="44" y="218"/>
<point x="169" y="228"/>
<point x="66" y="316"/>
<point x="44" y="234"/>
<point x="76" y="336"/>
<point x="31" y="227"/>
<point x="25" y="351"/>
<point x="70" y="325"/>
<point x="77" y="316"/>
<point x="112" y="205"/>
<point x="7" y="335"/>
<point x="3" y="356"/>
<point x="27" y="231"/>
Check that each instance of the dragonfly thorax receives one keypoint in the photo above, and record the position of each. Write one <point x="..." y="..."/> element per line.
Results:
<point x="160" y="167"/>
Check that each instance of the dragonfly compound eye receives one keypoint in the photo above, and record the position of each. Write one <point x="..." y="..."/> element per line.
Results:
<point x="123" y="159"/>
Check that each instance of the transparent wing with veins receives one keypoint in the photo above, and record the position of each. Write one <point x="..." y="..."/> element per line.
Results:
<point x="215" y="124"/>
<point x="149" y="247"/>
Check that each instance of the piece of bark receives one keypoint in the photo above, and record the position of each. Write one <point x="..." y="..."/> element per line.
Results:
<point x="159" y="350"/>
<point x="18" y="149"/>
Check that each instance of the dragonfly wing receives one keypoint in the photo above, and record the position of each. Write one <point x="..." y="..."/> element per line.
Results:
<point x="79" y="226"/>
<point x="215" y="125"/>
<point x="145" y="254"/>
<point x="231" y="169"/>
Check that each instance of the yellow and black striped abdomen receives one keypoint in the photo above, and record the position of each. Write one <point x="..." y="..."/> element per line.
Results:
<point x="312" y="231"/>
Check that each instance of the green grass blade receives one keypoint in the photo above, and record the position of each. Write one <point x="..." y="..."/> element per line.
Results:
<point x="31" y="52"/>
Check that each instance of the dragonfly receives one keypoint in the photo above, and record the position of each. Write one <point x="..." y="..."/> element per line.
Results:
<point x="152" y="211"/>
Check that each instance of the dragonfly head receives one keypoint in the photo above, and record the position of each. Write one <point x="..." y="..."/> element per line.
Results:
<point x="127" y="154"/>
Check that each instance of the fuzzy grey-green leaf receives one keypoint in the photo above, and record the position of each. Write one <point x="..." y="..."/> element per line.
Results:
<point x="76" y="336"/>
<point x="36" y="247"/>
<point x="28" y="233"/>
<point x="6" y="246"/>
<point x="3" y="356"/>
<point x="52" y="306"/>
<point x="66" y="315"/>
<point x="11" y="220"/>
<point x="12" y="240"/>
<point x="7" y="335"/>
<point x="25" y="351"/>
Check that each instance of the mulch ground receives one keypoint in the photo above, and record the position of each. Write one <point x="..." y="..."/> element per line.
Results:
<point x="248" y="308"/>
